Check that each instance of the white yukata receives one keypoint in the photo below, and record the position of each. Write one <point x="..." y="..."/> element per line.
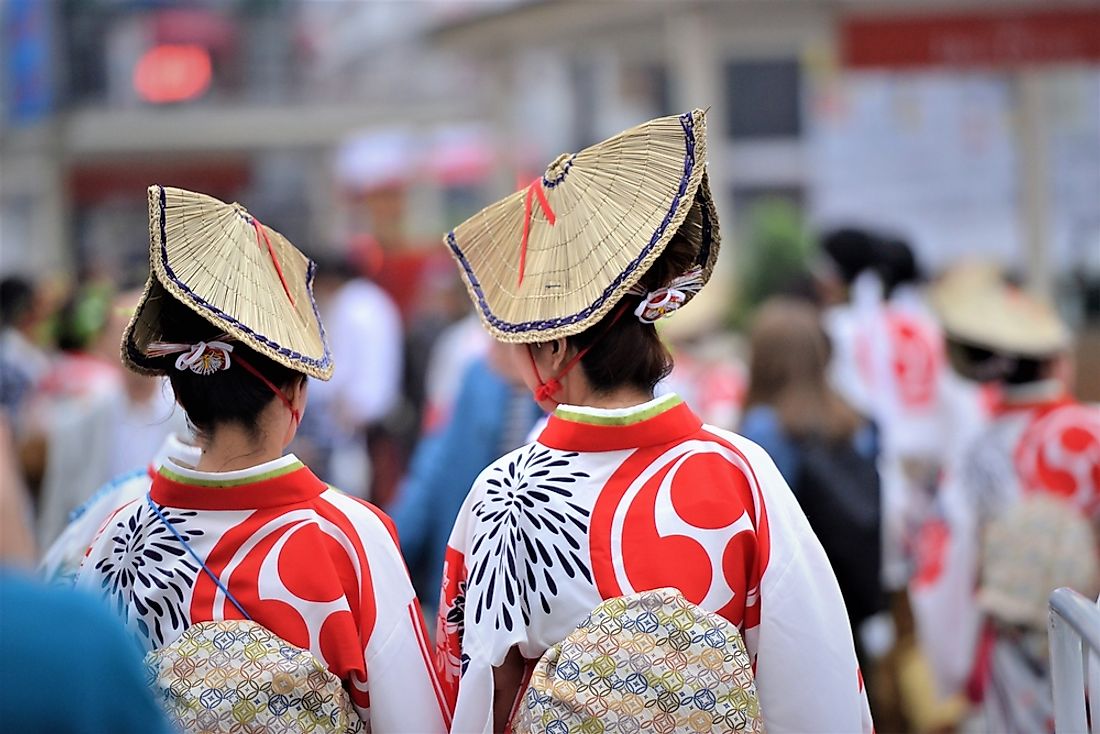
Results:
<point x="318" y="568"/>
<point x="607" y="503"/>
<point x="1039" y="440"/>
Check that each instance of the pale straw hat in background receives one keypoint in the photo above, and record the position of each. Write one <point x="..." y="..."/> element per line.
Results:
<point x="978" y="307"/>
<point x="243" y="277"/>
<point x="553" y="259"/>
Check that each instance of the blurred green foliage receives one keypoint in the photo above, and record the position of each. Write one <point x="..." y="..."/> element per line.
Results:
<point x="775" y="252"/>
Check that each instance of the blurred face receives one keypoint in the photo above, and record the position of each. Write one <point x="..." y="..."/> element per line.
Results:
<point x="505" y="365"/>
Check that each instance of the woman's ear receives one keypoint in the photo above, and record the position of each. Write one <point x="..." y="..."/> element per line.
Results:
<point x="559" y="352"/>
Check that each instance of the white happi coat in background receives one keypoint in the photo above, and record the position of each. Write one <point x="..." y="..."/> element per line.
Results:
<point x="889" y="363"/>
<point x="612" y="502"/>
<point x="1039" y="440"/>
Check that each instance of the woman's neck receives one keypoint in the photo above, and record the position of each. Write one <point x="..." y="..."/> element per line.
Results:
<point x="623" y="397"/>
<point x="231" y="448"/>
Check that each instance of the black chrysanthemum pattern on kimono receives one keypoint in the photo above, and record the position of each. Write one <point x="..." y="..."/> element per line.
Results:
<point x="528" y="530"/>
<point x="148" y="572"/>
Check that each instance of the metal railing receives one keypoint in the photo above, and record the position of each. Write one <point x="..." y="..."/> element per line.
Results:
<point x="1074" y="628"/>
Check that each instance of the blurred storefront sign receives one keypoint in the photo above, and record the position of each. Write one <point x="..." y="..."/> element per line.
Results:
<point x="997" y="38"/>
<point x="92" y="182"/>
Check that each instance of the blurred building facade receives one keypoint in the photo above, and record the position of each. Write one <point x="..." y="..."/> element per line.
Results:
<point x="972" y="127"/>
<point x="247" y="100"/>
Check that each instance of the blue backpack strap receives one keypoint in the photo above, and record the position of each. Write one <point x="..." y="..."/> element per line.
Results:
<point x="189" y="549"/>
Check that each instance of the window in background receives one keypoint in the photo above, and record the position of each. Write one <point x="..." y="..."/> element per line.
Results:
<point x="763" y="98"/>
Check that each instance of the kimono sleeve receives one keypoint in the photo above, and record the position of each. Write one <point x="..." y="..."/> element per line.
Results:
<point x="807" y="675"/>
<point x="450" y="623"/>
<point x="404" y="693"/>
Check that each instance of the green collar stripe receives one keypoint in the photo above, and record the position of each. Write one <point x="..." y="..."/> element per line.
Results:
<point x="666" y="403"/>
<point x="194" y="482"/>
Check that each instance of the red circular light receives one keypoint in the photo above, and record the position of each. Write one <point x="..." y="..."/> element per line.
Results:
<point x="172" y="73"/>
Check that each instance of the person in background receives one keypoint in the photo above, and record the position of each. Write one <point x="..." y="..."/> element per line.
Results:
<point x="54" y="637"/>
<point x="61" y="561"/>
<point x="1041" y="544"/>
<point x="492" y="415"/>
<point x="623" y="491"/>
<point x="824" y="449"/>
<point x="1039" y="441"/>
<point x="249" y="534"/>
<point x="364" y="329"/>
<point x="22" y="363"/>
<point x="105" y="432"/>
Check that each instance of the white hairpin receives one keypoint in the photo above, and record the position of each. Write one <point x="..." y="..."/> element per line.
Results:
<point x="664" y="301"/>
<point x="203" y="358"/>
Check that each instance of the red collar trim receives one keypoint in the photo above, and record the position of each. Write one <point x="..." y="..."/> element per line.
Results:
<point x="672" y="425"/>
<point x="297" y="486"/>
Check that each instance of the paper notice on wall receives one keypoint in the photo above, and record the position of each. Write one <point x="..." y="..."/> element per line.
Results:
<point x="935" y="157"/>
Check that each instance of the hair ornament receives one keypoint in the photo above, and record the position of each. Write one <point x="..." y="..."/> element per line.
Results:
<point x="203" y="358"/>
<point x="664" y="301"/>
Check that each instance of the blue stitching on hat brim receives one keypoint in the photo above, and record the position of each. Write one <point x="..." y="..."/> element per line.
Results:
<point x="688" y="124"/>
<point x="320" y="364"/>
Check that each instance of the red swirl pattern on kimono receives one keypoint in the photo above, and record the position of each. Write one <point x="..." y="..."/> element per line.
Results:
<point x="1059" y="452"/>
<point x="689" y="517"/>
<point x="307" y="582"/>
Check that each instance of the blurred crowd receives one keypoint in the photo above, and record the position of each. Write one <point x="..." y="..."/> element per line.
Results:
<point x="902" y="430"/>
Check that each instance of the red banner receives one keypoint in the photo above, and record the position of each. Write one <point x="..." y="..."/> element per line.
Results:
<point x="988" y="39"/>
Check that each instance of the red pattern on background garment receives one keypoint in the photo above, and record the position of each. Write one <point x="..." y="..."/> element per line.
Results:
<point x="931" y="552"/>
<point x="915" y="358"/>
<point x="1059" y="452"/>
<point x="658" y="522"/>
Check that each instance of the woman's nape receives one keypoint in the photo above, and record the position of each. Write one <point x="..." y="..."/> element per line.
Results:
<point x="551" y="358"/>
<point x="231" y="446"/>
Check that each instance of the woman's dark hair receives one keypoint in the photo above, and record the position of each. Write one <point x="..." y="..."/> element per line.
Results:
<point x="787" y="371"/>
<point x="232" y="396"/>
<point x="984" y="365"/>
<point x="629" y="352"/>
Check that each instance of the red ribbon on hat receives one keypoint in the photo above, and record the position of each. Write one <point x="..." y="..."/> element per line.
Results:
<point x="533" y="190"/>
<point x="261" y="232"/>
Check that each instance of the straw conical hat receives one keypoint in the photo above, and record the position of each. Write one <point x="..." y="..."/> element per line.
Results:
<point x="978" y="307"/>
<point x="215" y="259"/>
<point x="614" y="206"/>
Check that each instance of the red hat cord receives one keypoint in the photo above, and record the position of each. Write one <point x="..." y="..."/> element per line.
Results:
<point x="206" y="358"/>
<point x="547" y="388"/>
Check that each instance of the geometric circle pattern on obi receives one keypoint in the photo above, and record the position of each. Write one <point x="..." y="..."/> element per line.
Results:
<point x="237" y="676"/>
<point x="649" y="662"/>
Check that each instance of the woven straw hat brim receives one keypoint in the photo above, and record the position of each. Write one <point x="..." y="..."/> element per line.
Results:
<point x="616" y="206"/>
<point x="978" y="308"/>
<point x="209" y="256"/>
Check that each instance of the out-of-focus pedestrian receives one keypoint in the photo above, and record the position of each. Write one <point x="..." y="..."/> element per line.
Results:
<point x="624" y="492"/>
<point x="825" y="450"/>
<point x="364" y="329"/>
<point x="101" y="430"/>
<point x="492" y="415"/>
<point x="249" y="542"/>
<point x="23" y="363"/>
<point x="61" y="561"/>
<point x="1040" y="441"/>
